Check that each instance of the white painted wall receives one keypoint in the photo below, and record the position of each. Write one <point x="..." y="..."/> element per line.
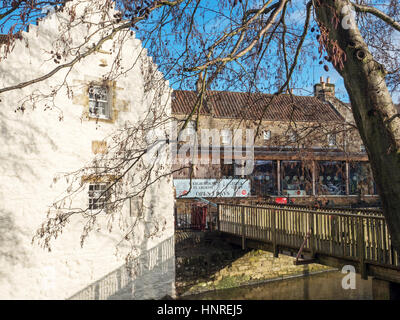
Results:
<point x="35" y="146"/>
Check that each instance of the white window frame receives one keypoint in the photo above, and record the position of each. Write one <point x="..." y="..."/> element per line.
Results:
<point x="191" y="125"/>
<point x="101" y="101"/>
<point x="225" y="137"/>
<point x="95" y="190"/>
<point x="362" y="148"/>
<point x="267" y="135"/>
<point x="331" y="139"/>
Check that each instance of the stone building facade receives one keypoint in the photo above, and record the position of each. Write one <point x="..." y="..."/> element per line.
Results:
<point x="305" y="147"/>
<point x="39" y="143"/>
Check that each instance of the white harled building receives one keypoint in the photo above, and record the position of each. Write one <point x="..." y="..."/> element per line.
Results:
<point x="58" y="136"/>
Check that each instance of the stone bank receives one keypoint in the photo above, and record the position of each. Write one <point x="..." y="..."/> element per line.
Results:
<point x="204" y="263"/>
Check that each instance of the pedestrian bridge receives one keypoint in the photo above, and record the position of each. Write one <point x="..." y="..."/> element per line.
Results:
<point x="334" y="237"/>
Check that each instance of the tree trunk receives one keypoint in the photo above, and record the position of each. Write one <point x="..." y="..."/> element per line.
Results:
<point x="372" y="106"/>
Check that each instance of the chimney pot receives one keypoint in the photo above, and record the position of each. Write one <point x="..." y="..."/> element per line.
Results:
<point x="321" y="79"/>
<point x="328" y="80"/>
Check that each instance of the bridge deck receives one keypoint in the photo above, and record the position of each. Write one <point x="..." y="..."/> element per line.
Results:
<point x="336" y="237"/>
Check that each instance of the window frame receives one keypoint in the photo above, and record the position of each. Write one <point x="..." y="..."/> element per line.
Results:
<point x="225" y="137"/>
<point x="267" y="135"/>
<point x="107" y="102"/>
<point x="100" y="205"/>
<point x="292" y="136"/>
<point x="331" y="139"/>
<point x="135" y="207"/>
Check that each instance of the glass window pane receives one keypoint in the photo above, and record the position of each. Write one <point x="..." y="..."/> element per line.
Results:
<point x="361" y="180"/>
<point x="331" y="177"/>
<point x="296" y="178"/>
<point x="98" y="101"/>
<point x="263" y="180"/>
<point x="97" y="199"/>
<point x="331" y="139"/>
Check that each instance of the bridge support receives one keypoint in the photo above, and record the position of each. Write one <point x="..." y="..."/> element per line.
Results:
<point x="243" y="230"/>
<point x="385" y="290"/>
<point x="274" y="240"/>
<point x="361" y="249"/>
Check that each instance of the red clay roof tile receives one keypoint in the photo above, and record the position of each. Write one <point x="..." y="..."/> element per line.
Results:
<point x="241" y="105"/>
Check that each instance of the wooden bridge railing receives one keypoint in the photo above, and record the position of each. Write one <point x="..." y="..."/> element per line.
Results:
<point x="361" y="236"/>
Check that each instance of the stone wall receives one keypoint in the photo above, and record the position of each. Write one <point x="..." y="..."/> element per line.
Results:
<point x="206" y="263"/>
<point x="316" y="132"/>
<point x="43" y="140"/>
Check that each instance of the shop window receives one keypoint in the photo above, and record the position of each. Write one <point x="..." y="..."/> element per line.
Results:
<point x="296" y="178"/>
<point x="263" y="179"/>
<point x="232" y="170"/>
<point x="361" y="180"/>
<point x="331" y="178"/>
<point x="191" y="125"/>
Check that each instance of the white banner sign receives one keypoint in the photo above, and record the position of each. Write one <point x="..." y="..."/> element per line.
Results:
<point x="212" y="188"/>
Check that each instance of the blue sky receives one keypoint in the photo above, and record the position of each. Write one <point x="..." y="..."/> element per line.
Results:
<point x="303" y="79"/>
<point x="308" y="73"/>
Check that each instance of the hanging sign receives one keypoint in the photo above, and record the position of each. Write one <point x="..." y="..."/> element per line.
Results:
<point x="212" y="188"/>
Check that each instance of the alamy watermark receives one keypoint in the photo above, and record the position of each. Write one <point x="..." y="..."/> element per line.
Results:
<point x="349" y="20"/>
<point x="349" y="280"/>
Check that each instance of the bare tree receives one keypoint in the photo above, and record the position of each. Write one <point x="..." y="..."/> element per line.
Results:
<point x="257" y="45"/>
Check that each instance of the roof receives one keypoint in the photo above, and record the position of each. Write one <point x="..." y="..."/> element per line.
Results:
<point x="242" y="105"/>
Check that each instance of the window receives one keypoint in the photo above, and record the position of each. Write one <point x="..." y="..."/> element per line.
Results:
<point x="227" y="169"/>
<point x="225" y="135"/>
<point x="296" y="178"/>
<point x="267" y="135"/>
<point x="361" y="180"/>
<point x="331" y="177"/>
<point x="332" y="139"/>
<point x="98" y="196"/>
<point x="135" y="206"/>
<point x="362" y="148"/>
<point x="99" y="102"/>
<point x="263" y="180"/>
<point x="192" y="125"/>
<point x="292" y="136"/>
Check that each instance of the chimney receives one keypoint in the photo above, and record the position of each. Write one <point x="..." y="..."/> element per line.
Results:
<point x="324" y="89"/>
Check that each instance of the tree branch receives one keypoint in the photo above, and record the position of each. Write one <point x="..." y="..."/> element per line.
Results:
<point x="377" y="13"/>
<point x="250" y="46"/>
<point x="93" y="49"/>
